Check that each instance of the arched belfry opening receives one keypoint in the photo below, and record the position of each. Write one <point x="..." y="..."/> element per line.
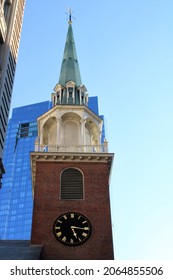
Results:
<point x="70" y="129"/>
<point x="49" y="132"/>
<point x="92" y="132"/>
<point x="75" y="129"/>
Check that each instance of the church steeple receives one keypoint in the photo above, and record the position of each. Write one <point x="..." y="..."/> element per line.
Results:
<point x="70" y="66"/>
<point x="70" y="173"/>
<point x="70" y="89"/>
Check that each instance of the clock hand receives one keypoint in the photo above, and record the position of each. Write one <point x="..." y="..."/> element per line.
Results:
<point x="72" y="227"/>
<point x="74" y="233"/>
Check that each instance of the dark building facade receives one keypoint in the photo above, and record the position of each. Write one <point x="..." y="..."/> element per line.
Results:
<point x="10" y="31"/>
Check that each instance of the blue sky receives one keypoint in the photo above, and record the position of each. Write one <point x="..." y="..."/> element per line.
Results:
<point x="125" y="53"/>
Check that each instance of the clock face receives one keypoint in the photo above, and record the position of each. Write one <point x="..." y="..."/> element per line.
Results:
<point x="72" y="228"/>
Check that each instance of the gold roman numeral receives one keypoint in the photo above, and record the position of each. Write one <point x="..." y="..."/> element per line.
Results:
<point x="86" y="228"/>
<point x="59" y="233"/>
<point x="57" y="227"/>
<point x="64" y="239"/>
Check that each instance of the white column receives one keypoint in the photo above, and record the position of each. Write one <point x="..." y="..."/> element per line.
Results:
<point x="82" y="133"/>
<point x="58" y="125"/>
<point x="41" y="136"/>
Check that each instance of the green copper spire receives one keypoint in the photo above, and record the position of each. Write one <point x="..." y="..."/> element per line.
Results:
<point x="70" y="67"/>
<point x="70" y="90"/>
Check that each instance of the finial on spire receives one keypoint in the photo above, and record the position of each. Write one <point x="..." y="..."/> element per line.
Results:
<point x="70" y="16"/>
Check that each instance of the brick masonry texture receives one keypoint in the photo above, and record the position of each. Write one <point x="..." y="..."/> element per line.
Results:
<point x="95" y="206"/>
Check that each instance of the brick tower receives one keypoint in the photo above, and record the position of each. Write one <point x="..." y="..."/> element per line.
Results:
<point x="70" y="173"/>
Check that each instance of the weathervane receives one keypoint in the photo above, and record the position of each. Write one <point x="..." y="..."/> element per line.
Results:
<point x="70" y="12"/>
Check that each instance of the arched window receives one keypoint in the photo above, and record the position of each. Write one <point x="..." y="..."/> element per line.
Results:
<point x="72" y="184"/>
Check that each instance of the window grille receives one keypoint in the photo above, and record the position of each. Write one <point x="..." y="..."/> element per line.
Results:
<point x="71" y="184"/>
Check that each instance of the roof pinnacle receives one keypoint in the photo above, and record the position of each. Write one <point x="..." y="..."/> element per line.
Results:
<point x="70" y="16"/>
<point x="70" y="66"/>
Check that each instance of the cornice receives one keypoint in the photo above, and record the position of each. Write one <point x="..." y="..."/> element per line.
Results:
<point x="66" y="157"/>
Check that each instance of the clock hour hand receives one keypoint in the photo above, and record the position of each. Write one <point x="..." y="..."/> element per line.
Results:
<point x="74" y="233"/>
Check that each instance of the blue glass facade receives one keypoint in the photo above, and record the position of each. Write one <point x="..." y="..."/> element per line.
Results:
<point x="16" y="194"/>
<point x="16" y="201"/>
<point x="93" y="105"/>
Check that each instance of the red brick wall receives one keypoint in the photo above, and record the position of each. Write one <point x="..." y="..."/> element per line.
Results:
<point x="95" y="206"/>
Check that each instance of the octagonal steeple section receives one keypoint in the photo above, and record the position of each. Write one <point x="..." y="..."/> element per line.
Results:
<point x="70" y="129"/>
<point x="70" y="90"/>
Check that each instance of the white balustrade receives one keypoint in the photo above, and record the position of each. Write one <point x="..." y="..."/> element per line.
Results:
<point x="75" y="148"/>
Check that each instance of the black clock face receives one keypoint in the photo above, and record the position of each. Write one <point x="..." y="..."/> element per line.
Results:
<point x="72" y="228"/>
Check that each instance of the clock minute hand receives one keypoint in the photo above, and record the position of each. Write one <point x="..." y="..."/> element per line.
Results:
<point x="72" y="227"/>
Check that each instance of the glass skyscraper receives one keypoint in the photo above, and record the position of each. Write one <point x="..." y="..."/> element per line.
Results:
<point x="16" y="194"/>
<point x="16" y="201"/>
<point x="11" y="18"/>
